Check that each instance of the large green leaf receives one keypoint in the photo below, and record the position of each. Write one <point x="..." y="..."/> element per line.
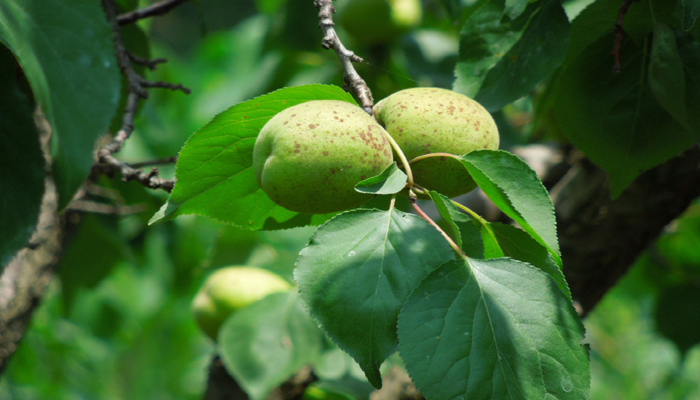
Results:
<point x="513" y="8"/>
<point x="503" y="61"/>
<point x="65" y="48"/>
<point x="666" y="76"/>
<point x="493" y="329"/>
<point x="691" y="12"/>
<point x="484" y="40"/>
<point x="689" y="52"/>
<point x="22" y="169"/>
<point x="515" y="188"/>
<point x="517" y="244"/>
<point x="614" y="118"/>
<point x="265" y="343"/>
<point x="358" y="270"/>
<point x="215" y="175"/>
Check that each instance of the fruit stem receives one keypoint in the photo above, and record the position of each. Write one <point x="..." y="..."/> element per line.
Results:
<point x="429" y="155"/>
<point x="402" y="157"/>
<point x="481" y="220"/>
<point x="414" y="204"/>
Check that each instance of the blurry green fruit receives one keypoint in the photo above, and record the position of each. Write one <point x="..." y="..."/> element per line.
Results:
<point x="433" y="120"/>
<point x="230" y="289"/>
<point x="372" y="22"/>
<point x="309" y="157"/>
<point x="318" y="391"/>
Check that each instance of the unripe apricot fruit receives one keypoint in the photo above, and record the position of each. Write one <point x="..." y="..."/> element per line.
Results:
<point x="433" y="120"/>
<point x="230" y="289"/>
<point x="309" y="157"/>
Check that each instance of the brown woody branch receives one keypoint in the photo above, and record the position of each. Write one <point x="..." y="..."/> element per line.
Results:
<point x="150" y="64"/>
<point x="154" y="10"/>
<point x="620" y="34"/>
<point x="600" y="237"/>
<point x="107" y="163"/>
<point x="353" y="81"/>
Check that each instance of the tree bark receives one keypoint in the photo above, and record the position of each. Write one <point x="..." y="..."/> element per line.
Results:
<point x="25" y="278"/>
<point x="601" y="238"/>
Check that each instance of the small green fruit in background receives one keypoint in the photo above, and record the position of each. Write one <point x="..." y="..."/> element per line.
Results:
<point x="230" y="289"/>
<point x="372" y="22"/>
<point x="319" y="391"/>
<point x="433" y="120"/>
<point x="309" y="157"/>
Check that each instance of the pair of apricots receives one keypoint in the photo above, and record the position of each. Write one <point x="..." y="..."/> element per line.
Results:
<point x="309" y="157"/>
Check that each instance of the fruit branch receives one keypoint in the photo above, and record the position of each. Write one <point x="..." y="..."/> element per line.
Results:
<point x="402" y="157"/>
<point x="619" y="34"/>
<point x="107" y="163"/>
<point x="447" y="237"/>
<point x="481" y="220"/>
<point x="331" y="40"/>
<point x="429" y="155"/>
<point x="154" y="10"/>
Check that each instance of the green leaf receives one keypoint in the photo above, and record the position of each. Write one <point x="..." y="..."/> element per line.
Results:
<point x="513" y="8"/>
<point x="391" y="180"/>
<point x="493" y="329"/>
<point x="691" y="12"/>
<point x="97" y="238"/>
<point x="215" y="175"/>
<point x="614" y="118"/>
<point x="515" y="188"/>
<point x="666" y="76"/>
<point x="265" y="343"/>
<point x="357" y="272"/>
<point x="517" y="244"/>
<point x="65" y="48"/>
<point x="538" y="52"/>
<point x="22" y="169"/>
<point x="464" y="230"/>
<point x="484" y="40"/>
<point x="503" y="61"/>
<point x="593" y="22"/>
<point x="678" y="315"/>
<point x="689" y="51"/>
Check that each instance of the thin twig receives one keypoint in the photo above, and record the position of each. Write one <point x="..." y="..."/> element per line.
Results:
<point x="160" y="161"/>
<point x="156" y="9"/>
<point x="447" y="237"/>
<point x="164" y="85"/>
<point x="150" y="64"/>
<point x="620" y="34"/>
<point x="353" y="81"/>
<point x="107" y="163"/>
<point x="101" y="208"/>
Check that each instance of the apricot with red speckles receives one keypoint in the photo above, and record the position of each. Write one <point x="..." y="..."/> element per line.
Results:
<point x="309" y="157"/>
<point x="433" y="120"/>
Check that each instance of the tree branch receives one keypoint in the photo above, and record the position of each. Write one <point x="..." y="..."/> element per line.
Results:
<point x="107" y="163"/>
<point x="154" y="10"/>
<point x="353" y="81"/>
<point x="620" y="34"/>
<point x="222" y="386"/>
<point x="25" y="278"/>
<point x="601" y="238"/>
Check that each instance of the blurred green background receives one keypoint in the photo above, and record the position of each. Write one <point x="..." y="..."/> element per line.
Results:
<point x="116" y="324"/>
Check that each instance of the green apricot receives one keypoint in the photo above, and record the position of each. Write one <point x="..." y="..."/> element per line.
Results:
<point x="372" y="22"/>
<point x="433" y="120"/>
<point x="230" y="289"/>
<point x="309" y="157"/>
